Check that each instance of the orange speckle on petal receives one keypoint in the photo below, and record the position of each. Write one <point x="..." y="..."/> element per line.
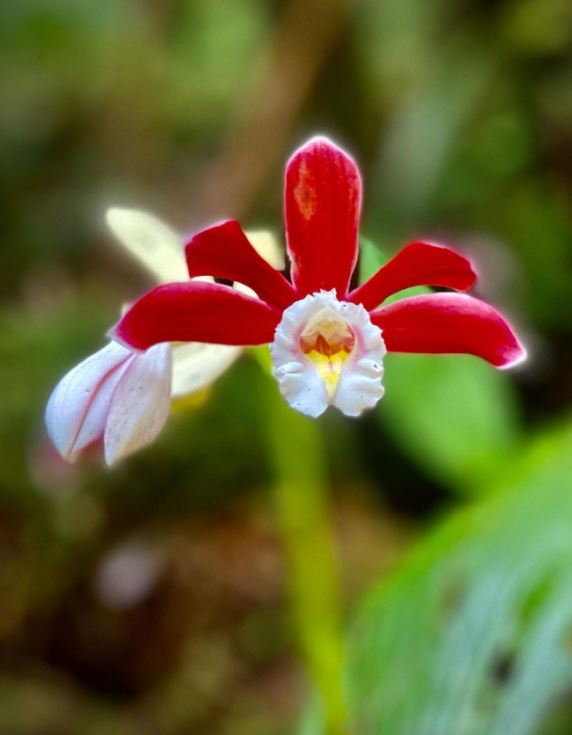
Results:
<point x="305" y="193"/>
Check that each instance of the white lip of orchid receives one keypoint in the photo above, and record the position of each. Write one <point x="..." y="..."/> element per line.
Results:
<point x="327" y="352"/>
<point x="115" y="395"/>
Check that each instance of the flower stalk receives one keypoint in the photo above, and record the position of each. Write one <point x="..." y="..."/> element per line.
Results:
<point x="297" y="453"/>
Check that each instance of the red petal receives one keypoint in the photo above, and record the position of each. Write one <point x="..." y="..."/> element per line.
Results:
<point x="449" y="323"/>
<point x="417" y="264"/>
<point x="223" y="251"/>
<point x="196" y="312"/>
<point x="322" y="208"/>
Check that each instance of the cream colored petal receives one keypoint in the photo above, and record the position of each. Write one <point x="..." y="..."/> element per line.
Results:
<point x="246" y="290"/>
<point x="158" y="247"/>
<point x="140" y="404"/>
<point x="196" y="366"/>
<point x="268" y="247"/>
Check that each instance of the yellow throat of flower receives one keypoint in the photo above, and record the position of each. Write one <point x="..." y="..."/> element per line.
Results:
<point x="329" y="368"/>
<point x="328" y="342"/>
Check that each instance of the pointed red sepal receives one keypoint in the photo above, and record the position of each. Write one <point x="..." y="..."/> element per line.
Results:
<point x="322" y="210"/>
<point x="223" y="251"/>
<point x="449" y="323"/>
<point x="196" y="312"/>
<point x="417" y="264"/>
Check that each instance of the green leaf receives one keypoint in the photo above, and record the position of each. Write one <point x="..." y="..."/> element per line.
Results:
<point x="371" y="258"/>
<point x="473" y="635"/>
<point x="456" y="416"/>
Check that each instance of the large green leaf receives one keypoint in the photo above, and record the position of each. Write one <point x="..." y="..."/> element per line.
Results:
<point x="472" y="636"/>
<point x="454" y="415"/>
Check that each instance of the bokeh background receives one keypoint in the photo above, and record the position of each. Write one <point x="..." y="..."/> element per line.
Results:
<point x="153" y="599"/>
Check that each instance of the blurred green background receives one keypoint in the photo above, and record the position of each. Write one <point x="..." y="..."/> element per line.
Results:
<point x="152" y="599"/>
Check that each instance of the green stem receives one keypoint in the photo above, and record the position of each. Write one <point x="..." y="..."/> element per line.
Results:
<point x="296" y="447"/>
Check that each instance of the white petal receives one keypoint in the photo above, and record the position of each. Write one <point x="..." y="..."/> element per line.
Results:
<point x="197" y="365"/>
<point x="302" y="385"/>
<point x="77" y="409"/>
<point x="140" y="403"/>
<point x="268" y="247"/>
<point x="159" y="248"/>
<point x="360" y="387"/>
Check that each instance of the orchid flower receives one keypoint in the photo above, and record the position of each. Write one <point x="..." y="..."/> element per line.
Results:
<point x="122" y="397"/>
<point x="328" y="342"/>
